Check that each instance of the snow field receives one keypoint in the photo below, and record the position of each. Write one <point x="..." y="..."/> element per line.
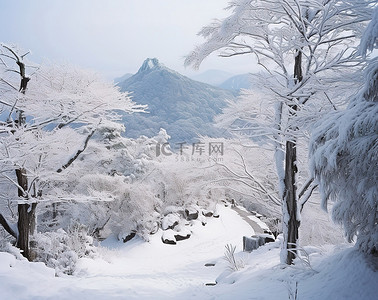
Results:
<point x="153" y="270"/>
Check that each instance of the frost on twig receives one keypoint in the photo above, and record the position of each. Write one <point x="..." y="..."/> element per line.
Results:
<point x="234" y="264"/>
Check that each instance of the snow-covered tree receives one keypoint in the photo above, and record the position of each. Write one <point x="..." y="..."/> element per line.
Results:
<point x="299" y="44"/>
<point x="47" y="120"/>
<point x="122" y="175"/>
<point x="245" y="174"/>
<point x="344" y="156"/>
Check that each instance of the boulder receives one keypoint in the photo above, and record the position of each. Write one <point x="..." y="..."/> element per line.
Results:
<point x="251" y="243"/>
<point x="207" y="213"/>
<point x="129" y="237"/>
<point x="170" y="221"/>
<point x="211" y="284"/>
<point x="168" y="237"/>
<point x="191" y="214"/>
<point x="180" y="236"/>
<point x="255" y="241"/>
<point x="210" y="264"/>
<point x="268" y="237"/>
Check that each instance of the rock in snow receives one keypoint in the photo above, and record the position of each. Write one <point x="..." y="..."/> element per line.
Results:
<point x="168" y="237"/>
<point x="170" y="221"/>
<point x="191" y="214"/>
<point x="183" y="234"/>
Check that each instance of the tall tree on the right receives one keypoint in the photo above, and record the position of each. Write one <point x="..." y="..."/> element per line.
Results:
<point x="299" y="43"/>
<point x="344" y="156"/>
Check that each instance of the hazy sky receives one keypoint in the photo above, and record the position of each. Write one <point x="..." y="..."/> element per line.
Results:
<point x="114" y="36"/>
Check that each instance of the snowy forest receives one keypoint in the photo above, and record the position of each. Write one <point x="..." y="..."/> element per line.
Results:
<point x="156" y="186"/>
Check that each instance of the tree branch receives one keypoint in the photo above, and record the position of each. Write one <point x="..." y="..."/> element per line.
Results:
<point x="7" y="227"/>
<point x="6" y="82"/>
<point x="77" y="153"/>
<point x="306" y="192"/>
<point x="21" y="189"/>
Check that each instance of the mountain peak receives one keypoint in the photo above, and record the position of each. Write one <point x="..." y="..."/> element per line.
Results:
<point x="150" y="64"/>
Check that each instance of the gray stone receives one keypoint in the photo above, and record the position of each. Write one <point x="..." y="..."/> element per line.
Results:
<point x="129" y="237"/>
<point x="170" y="221"/>
<point x="181" y="237"/>
<point x="182" y="234"/>
<point x="207" y="213"/>
<point x="168" y="241"/>
<point x="268" y="238"/>
<point x="191" y="214"/>
<point x="255" y="241"/>
<point x="168" y="237"/>
<point x="210" y="265"/>
<point x="251" y="243"/>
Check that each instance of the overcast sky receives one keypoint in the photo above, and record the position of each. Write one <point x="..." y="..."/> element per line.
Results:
<point x="114" y="36"/>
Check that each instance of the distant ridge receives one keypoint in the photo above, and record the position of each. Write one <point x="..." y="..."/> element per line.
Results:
<point x="122" y="78"/>
<point x="182" y="106"/>
<point x="212" y="77"/>
<point x="238" y="82"/>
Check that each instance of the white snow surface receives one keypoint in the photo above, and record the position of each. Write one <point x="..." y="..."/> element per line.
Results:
<point x="153" y="270"/>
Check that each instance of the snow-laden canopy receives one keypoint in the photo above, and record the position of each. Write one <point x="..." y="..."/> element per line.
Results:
<point x="344" y="156"/>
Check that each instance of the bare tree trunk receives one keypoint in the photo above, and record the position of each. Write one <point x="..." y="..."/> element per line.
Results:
<point x="26" y="213"/>
<point x="23" y="229"/>
<point x="24" y="217"/>
<point x="291" y="220"/>
<point x="290" y="199"/>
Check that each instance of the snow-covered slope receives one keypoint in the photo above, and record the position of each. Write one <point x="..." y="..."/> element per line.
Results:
<point x="153" y="270"/>
<point x="182" y="106"/>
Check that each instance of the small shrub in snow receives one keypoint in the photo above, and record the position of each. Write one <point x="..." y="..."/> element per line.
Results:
<point x="4" y="240"/>
<point x="302" y="259"/>
<point x="61" y="250"/>
<point x="293" y="290"/>
<point x="6" y="246"/>
<point x="234" y="264"/>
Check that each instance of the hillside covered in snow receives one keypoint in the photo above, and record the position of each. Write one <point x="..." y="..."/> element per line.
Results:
<point x="183" y="107"/>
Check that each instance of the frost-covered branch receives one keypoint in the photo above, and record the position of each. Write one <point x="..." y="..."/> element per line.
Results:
<point x="250" y="175"/>
<point x="10" y="85"/>
<point x="19" y="187"/>
<point x="305" y="192"/>
<point x="8" y="227"/>
<point x="78" y="152"/>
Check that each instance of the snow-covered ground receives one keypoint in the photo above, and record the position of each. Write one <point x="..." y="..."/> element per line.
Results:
<point x="153" y="270"/>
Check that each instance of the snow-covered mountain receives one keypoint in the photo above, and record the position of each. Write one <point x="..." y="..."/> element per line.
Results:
<point x="237" y="82"/>
<point x="182" y="106"/>
<point x="212" y="77"/>
<point x="122" y="78"/>
<point x="225" y="80"/>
